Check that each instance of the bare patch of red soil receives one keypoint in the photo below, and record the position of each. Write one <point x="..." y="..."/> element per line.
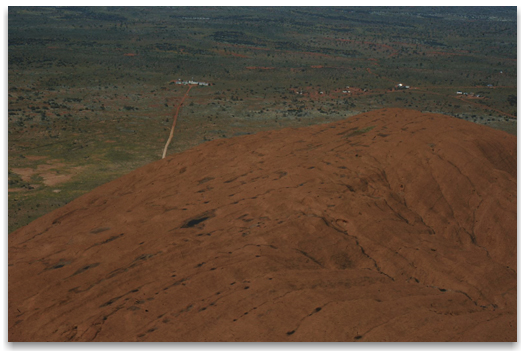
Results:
<point x="52" y="173"/>
<point x="392" y="225"/>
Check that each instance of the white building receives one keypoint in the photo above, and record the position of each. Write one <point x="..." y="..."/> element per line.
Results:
<point x="192" y="82"/>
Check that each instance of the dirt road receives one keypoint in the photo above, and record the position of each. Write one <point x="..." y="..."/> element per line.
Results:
<point x="175" y="120"/>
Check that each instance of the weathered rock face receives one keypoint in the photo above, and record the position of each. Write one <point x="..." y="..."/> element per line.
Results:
<point x="389" y="226"/>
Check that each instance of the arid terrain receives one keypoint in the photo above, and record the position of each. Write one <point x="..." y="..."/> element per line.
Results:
<point x="92" y="90"/>
<point x="392" y="225"/>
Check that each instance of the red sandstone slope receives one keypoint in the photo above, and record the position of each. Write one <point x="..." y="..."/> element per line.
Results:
<point x="388" y="226"/>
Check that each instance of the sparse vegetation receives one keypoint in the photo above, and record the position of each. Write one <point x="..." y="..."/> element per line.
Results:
<point x="93" y="88"/>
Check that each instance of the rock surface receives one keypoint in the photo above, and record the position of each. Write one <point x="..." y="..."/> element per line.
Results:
<point x="389" y="226"/>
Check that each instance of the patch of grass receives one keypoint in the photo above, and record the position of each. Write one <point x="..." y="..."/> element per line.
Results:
<point x="36" y="178"/>
<point x="15" y="181"/>
<point x="118" y="156"/>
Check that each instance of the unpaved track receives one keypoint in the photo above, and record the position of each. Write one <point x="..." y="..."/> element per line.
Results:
<point x="175" y="120"/>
